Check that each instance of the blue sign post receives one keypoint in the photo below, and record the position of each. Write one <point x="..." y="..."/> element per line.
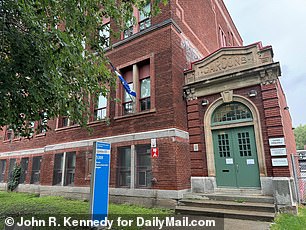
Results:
<point x="100" y="180"/>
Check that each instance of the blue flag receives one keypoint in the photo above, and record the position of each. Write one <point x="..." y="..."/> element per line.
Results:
<point x="123" y="82"/>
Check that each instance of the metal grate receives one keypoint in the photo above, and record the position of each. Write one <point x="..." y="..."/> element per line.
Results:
<point x="299" y="170"/>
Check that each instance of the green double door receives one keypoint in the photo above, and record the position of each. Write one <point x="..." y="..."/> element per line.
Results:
<point x="236" y="161"/>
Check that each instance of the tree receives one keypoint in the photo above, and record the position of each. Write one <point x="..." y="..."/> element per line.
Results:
<point x="300" y="136"/>
<point x="45" y="71"/>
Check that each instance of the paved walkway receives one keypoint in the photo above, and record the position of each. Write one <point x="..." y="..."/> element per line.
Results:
<point x="235" y="224"/>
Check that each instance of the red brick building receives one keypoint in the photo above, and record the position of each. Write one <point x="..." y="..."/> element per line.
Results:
<point x="237" y="86"/>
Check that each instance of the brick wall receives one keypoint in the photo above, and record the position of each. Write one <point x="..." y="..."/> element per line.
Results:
<point x="201" y="20"/>
<point x="168" y="59"/>
<point x="276" y="122"/>
<point x="287" y="125"/>
<point x="273" y="124"/>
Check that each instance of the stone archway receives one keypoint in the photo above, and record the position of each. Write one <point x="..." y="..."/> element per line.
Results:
<point x="255" y="123"/>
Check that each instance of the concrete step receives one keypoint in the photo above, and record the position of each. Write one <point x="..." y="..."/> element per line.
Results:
<point x="226" y="213"/>
<point x="231" y="197"/>
<point x="232" y="205"/>
<point x="239" y="191"/>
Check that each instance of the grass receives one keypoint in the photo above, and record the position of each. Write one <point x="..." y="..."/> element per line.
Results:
<point x="290" y="222"/>
<point x="22" y="204"/>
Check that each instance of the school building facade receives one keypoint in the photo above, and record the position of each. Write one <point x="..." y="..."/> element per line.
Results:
<point x="214" y="108"/>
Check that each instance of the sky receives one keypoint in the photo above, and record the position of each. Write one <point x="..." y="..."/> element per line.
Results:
<point x="282" y="24"/>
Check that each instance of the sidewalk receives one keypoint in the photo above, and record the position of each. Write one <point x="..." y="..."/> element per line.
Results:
<point x="236" y="224"/>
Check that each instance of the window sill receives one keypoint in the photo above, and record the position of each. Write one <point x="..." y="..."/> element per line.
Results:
<point x="67" y="128"/>
<point x="95" y="123"/>
<point x="135" y="114"/>
<point x="40" y="135"/>
<point x="7" y="141"/>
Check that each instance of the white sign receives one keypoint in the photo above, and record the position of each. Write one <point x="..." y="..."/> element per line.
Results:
<point x="250" y="162"/>
<point x="229" y="161"/>
<point x="279" y="162"/>
<point x="276" y="141"/>
<point x="153" y="143"/>
<point x="278" y="152"/>
<point x="196" y="147"/>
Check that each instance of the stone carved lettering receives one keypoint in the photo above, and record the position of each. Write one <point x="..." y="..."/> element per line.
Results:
<point x="225" y="63"/>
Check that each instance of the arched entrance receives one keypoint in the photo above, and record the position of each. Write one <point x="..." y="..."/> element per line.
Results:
<point x="211" y="127"/>
<point x="235" y="154"/>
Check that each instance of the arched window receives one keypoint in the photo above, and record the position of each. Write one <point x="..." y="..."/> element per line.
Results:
<point x="231" y="113"/>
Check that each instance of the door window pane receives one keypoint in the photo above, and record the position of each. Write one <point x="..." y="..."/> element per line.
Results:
<point x="223" y="145"/>
<point x="244" y="144"/>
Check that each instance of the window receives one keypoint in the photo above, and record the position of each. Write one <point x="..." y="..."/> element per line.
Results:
<point x="31" y="128"/>
<point x="58" y="169"/>
<point x="8" y="134"/>
<point x="2" y="170"/>
<point x="42" y="123"/>
<point x="144" y="18"/>
<point x="100" y="108"/>
<point x="145" y="86"/>
<point x="144" y="21"/>
<point x="64" y="169"/>
<point x="143" y="167"/>
<point x="222" y="38"/>
<point x="127" y="102"/>
<point x="104" y="35"/>
<point x="231" y="112"/>
<point x="124" y="167"/>
<point x="65" y="121"/>
<point x="24" y="170"/>
<point x="139" y="79"/>
<point x="230" y="39"/>
<point x="129" y="29"/>
<point x="134" y="173"/>
<point x="70" y="169"/>
<point x="35" y="175"/>
<point x="88" y="168"/>
<point x="11" y="167"/>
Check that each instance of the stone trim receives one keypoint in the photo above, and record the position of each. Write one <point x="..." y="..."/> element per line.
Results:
<point x="257" y="130"/>
<point x="171" y="132"/>
<point x="84" y="192"/>
<point x="265" y="74"/>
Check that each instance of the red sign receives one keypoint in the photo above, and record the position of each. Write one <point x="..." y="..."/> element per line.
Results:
<point x="154" y="152"/>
